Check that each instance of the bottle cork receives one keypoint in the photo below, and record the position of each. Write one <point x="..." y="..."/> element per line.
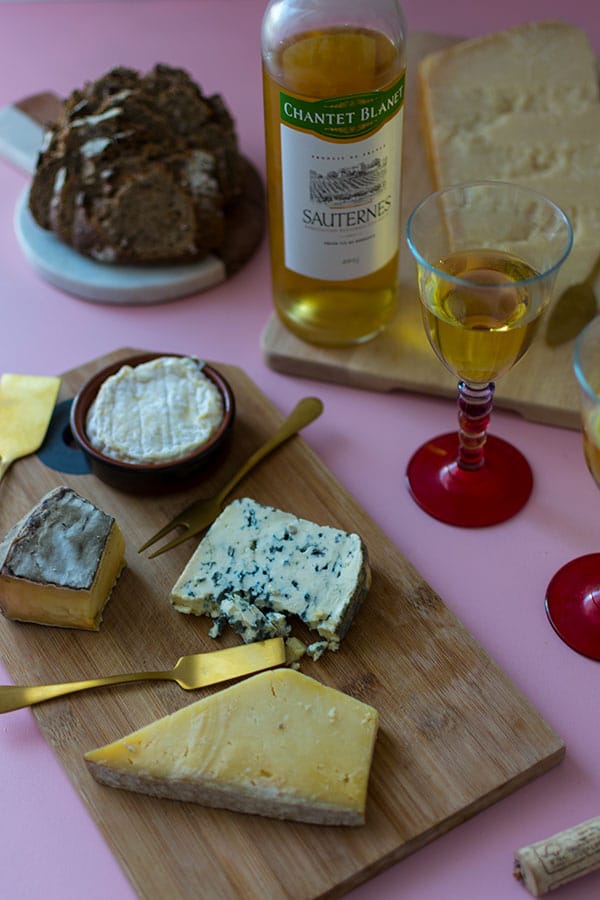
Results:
<point x="563" y="857"/>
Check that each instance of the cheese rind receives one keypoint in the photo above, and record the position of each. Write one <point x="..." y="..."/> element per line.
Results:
<point x="278" y="744"/>
<point x="258" y="565"/>
<point x="59" y="563"/>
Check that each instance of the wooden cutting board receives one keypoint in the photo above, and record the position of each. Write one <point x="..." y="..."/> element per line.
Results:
<point x="456" y="735"/>
<point x="542" y="387"/>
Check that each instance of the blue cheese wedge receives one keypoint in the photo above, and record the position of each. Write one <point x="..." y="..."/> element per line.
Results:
<point x="258" y="566"/>
<point x="155" y="412"/>
<point x="277" y="744"/>
<point x="60" y="562"/>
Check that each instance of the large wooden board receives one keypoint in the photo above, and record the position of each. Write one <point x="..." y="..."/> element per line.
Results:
<point x="542" y="387"/>
<point x="456" y="735"/>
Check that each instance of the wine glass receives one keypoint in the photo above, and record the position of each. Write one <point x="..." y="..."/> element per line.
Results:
<point x="487" y="256"/>
<point x="573" y="595"/>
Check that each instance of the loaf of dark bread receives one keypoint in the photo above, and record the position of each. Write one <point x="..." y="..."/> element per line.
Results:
<point x="139" y="169"/>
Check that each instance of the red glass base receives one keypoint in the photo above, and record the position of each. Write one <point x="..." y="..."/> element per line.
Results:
<point x="573" y="604"/>
<point x="469" y="497"/>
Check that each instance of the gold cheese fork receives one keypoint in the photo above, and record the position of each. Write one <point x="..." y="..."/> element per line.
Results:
<point x="202" y="513"/>
<point x="190" y="673"/>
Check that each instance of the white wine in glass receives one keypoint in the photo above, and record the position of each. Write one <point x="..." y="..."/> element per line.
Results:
<point x="487" y="256"/>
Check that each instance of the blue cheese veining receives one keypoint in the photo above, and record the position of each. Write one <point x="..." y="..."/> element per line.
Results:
<point x="258" y="566"/>
<point x="155" y="412"/>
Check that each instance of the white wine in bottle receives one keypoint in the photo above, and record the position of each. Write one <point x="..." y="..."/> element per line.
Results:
<point x="333" y="77"/>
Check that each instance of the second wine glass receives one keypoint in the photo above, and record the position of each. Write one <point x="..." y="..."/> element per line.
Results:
<point x="573" y="595"/>
<point x="487" y="256"/>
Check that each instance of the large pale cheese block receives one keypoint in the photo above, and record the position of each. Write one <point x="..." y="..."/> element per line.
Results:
<point x="59" y="563"/>
<point x="256" y="566"/>
<point x="521" y="105"/>
<point x="278" y="744"/>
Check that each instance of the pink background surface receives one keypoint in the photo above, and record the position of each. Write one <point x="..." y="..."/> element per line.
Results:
<point x="493" y="579"/>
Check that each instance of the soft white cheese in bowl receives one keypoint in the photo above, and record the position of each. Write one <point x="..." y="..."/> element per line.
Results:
<point x="152" y="415"/>
<point x="158" y="411"/>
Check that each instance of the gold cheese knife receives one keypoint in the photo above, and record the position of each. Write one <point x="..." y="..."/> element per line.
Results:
<point x="26" y="406"/>
<point x="190" y="673"/>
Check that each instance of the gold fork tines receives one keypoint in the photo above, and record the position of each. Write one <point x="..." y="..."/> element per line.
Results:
<point x="203" y="512"/>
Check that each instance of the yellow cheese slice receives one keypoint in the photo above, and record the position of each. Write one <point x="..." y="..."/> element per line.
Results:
<point x="59" y="563"/>
<point x="278" y="744"/>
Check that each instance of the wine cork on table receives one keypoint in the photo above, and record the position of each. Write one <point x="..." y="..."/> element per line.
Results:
<point x="563" y="857"/>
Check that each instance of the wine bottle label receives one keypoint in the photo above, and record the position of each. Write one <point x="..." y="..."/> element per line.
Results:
<point x="341" y="173"/>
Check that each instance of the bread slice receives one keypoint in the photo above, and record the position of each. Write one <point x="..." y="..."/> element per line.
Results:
<point x="523" y="106"/>
<point x="278" y="744"/>
<point x="139" y="168"/>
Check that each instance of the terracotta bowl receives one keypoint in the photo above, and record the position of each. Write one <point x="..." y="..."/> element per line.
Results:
<point x="134" y="476"/>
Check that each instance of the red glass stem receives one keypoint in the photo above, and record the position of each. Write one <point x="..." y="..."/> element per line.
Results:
<point x="474" y="410"/>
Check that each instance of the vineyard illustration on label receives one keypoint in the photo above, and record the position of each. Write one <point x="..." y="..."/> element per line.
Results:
<point x="348" y="185"/>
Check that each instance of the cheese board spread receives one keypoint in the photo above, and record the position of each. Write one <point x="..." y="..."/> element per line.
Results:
<point x="455" y="734"/>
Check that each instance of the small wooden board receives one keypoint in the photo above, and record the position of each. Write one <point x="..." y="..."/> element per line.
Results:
<point x="456" y="735"/>
<point x="542" y="387"/>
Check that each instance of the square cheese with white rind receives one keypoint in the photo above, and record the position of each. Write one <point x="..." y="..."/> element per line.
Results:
<point x="60" y="562"/>
<point x="256" y="566"/>
<point x="277" y="744"/>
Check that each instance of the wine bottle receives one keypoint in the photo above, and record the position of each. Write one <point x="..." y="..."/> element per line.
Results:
<point x="333" y="79"/>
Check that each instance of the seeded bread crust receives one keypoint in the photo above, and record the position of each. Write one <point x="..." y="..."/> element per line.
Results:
<point x="139" y="169"/>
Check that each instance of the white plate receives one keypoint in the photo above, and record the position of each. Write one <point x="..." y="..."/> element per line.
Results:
<point x="124" y="285"/>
